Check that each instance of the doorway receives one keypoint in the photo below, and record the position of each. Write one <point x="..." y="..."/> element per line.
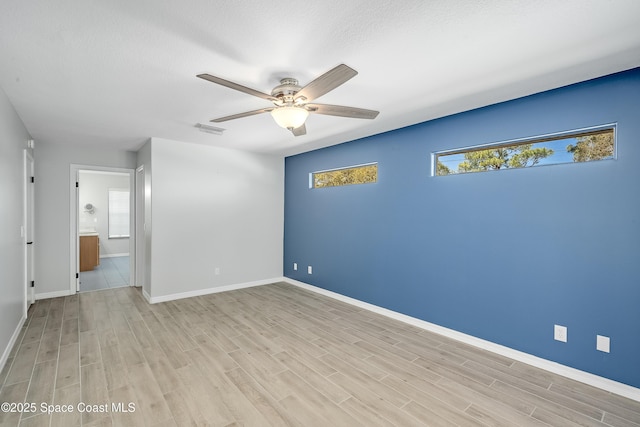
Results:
<point x="103" y="231"/>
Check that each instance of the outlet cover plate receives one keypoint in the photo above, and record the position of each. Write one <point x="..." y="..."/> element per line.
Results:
<point x="560" y="333"/>
<point x="603" y="343"/>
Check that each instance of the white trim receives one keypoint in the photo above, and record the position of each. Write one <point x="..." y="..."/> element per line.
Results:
<point x="54" y="294"/>
<point x="99" y="170"/>
<point x="345" y="167"/>
<point x="556" y="368"/>
<point x="524" y="140"/>
<point x="146" y="296"/>
<point x="12" y="342"/>
<point x="199" y="292"/>
<point x="140" y="228"/>
<point x="28" y="226"/>
<point x="113" y="255"/>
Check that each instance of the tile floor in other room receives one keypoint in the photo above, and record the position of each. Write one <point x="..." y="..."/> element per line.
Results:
<point x="111" y="273"/>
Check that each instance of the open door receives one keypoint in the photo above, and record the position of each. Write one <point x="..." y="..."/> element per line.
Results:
<point x="28" y="232"/>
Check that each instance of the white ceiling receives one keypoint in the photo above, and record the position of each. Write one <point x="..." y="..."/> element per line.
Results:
<point x="116" y="72"/>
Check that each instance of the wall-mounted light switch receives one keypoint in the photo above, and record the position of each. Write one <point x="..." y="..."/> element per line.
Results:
<point x="309" y="270"/>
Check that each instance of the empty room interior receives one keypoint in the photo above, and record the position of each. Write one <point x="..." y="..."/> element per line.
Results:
<point x="353" y="213"/>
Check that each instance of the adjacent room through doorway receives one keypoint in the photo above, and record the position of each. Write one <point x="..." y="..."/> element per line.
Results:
<point x="103" y="229"/>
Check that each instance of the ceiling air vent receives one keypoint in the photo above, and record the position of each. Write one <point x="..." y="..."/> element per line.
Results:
<point x="209" y="129"/>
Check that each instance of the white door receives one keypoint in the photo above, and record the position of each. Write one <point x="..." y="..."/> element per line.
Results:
<point x="75" y="277"/>
<point x="28" y="229"/>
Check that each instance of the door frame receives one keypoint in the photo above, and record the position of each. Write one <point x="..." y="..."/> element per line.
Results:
<point x="28" y="231"/>
<point x="74" y="209"/>
<point x="140" y="227"/>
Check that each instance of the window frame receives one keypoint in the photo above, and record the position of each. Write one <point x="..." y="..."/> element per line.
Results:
<point x="114" y="213"/>
<point x="311" y="175"/>
<point x="529" y="140"/>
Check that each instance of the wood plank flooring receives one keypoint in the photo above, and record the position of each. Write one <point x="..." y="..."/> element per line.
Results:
<point x="273" y="355"/>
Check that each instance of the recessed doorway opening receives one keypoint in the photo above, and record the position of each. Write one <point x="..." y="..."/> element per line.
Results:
<point x="103" y="238"/>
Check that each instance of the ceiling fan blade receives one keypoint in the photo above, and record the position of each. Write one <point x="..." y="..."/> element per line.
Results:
<point x="326" y="82"/>
<point x="342" y="111"/>
<point x="240" y="115"/>
<point x="299" y="131"/>
<point x="236" y="86"/>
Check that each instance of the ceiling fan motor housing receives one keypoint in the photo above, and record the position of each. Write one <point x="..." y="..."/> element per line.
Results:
<point x="286" y="90"/>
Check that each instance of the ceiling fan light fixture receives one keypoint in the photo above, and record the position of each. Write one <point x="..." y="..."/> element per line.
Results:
<point x="291" y="103"/>
<point x="290" y="117"/>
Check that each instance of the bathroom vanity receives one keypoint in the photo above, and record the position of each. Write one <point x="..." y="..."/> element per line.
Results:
<point x="89" y="251"/>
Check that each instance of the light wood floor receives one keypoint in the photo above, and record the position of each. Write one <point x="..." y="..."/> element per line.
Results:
<point x="274" y="355"/>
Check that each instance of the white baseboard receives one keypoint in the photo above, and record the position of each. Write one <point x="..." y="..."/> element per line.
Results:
<point x="556" y="368"/>
<point x="199" y="292"/>
<point x="146" y="296"/>
<point x="54" y="294"/>
<point x="12" y="342"/>
<point x="566" y="371"/>
<point x="113" y="255"/>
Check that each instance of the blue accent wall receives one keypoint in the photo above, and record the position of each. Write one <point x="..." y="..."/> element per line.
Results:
<point x="501" y="255"/>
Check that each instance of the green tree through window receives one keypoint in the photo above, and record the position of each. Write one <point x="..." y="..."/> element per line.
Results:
<point x="583" y="147"/>
<point x="520" y="156"/>
<point x="364" y="174"/>
<point x="592" y="147"/>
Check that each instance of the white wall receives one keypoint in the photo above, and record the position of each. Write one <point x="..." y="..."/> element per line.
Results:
<point x="52" y="207"/>
<point x="213" y="208"/>
<point x="13" y="141"/>
<point x="94" y="189"/>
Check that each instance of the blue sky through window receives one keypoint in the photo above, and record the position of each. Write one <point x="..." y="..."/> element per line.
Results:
<point x="559" y="156"/>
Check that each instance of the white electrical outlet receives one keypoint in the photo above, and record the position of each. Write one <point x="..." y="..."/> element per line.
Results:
<point x="295" y="266"/>
<point x="309" y="270"/>
<point x="217" y="271"/>
<point x="603" y="343"/>
<point x="560" y="333"/>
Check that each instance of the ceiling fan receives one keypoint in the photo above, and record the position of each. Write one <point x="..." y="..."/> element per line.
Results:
<point x="292" y="103"/>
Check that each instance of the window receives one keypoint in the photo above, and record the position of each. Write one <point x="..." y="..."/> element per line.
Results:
<point x="118" y="213"/>
<point x="568" y="147"/>
<point x="360" y="174"/>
